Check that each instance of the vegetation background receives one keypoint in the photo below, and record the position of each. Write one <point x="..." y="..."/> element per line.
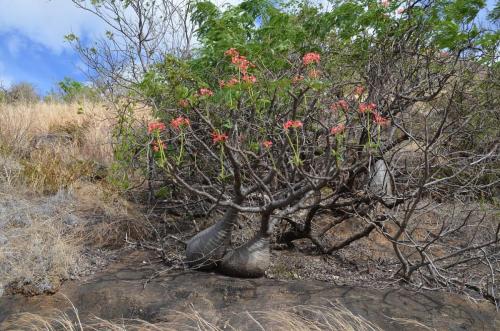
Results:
<point x="412" y="83"/>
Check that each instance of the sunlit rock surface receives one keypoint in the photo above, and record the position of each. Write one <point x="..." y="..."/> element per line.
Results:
<point x="128" y="290"/>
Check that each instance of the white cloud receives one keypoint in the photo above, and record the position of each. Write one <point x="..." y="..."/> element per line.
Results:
<point x="47" y="21"/>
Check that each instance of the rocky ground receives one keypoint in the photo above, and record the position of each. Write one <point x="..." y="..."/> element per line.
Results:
<point x="139" y="288"/>
<point x="99" y="250"/>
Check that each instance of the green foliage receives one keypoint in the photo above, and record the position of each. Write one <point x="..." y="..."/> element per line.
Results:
<point x="361" y="42"/>
<point x="74" y="91"/>
<point x="495" y="13"/>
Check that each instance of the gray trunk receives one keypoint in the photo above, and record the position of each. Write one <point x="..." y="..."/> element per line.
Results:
<point x="380" y="179"/>
<point x="206" y="249"/>
<point x="253" y="258"/>
<point x="250" y="260"/>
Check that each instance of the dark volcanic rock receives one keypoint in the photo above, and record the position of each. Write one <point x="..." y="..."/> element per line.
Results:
<point x="128" y="292"/>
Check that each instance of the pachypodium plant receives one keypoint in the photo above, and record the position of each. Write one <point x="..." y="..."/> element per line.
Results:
<point x="300" y="108"/>
<point x="261" y="144"/>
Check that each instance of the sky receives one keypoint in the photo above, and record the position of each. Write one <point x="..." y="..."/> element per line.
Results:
<point x="32" y="45"/>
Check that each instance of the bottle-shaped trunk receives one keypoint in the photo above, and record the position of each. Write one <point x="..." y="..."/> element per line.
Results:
<point x="253" y="258"/>
<point x="249" y="260"/>
<point x="206" y="249"/>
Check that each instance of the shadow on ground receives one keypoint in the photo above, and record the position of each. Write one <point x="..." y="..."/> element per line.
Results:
<point x="129" y="291"/>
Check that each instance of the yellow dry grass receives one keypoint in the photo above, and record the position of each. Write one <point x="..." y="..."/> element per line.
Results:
<point x="22" y="125"/>
<point x="57" y="143"/>
<point x="53" y="144"/>
<point x="53" y="157"/>
<point x="298" y="318"/>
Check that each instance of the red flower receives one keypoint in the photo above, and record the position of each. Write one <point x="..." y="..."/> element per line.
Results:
<point x="206" y="92"/>
<point x="219" y="137"/>
<point x="267" y="144"/>
<point x="232" y="52"/>
<point x="222" y="83"/>
<point x="242" y="63"/>
<point x="367" y="107"/>
<point x="249" y="79"/>
<point x="183" y="103"/>
<point x="359" y="90"/>
<point x="179" y="122"/>
<point x="233" y="81"/>
<point x="155" y="126"/>
<point x="341" y="104"/>
<point x="379" y="119"/>
<point x="239" y="60"/>
<point x="310" y="58"/>
<point x="292" y="124"/>
<point x="337" y="129"/>
<point x="385" y="3"/>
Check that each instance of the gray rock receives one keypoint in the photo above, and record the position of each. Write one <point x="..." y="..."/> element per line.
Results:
<point x="131" y="293"/>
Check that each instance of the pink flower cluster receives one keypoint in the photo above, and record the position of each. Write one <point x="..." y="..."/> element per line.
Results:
<point x="239" y="60"/>
<point x="267" y="144"/>
<point x="232" y="52"/>
<point x="359" y="90"/>
<point x="205" y="92"/>
<point x="249" y="79"/>
<point x="367" y="107"/>
<point x="379" y="119"/>
<point x="219" y="137"/>
<point x="341" y="104"/>
<point x="292" y="124"/>
<point x="311" y="57"/>
<point x="233" y="81"/>
<point x="339" y="128"/>
<point x="155" y="126"/>
<point x="179" y="122"/>
<point x="243" y="65"/>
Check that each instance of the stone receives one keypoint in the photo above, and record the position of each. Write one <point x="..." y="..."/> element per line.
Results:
<point x="132" y="292"/>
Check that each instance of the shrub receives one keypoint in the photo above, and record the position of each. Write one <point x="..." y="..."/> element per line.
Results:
<point x="22" y="92"/>
<point x="287" y="107"/>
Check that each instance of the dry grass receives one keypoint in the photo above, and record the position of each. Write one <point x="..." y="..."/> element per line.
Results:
<point x="53" y="158"/>
<point x="298" y="318"/>
<point x="37" y="251"/>
<point x="41" y="236"/>
<point x="21" y="123"/>
<point x="112" y="218"/>
<point x="54" y="143"/>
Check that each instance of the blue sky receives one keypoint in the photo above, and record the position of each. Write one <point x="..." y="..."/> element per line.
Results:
<point x="32" y="46"/>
